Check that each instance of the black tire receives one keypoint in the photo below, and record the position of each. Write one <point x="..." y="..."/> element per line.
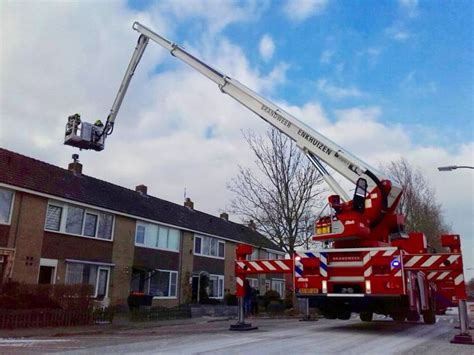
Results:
<point x="413" y="316"/>
<point x="399" y="317"/>
<point x="429" y="316"/>
<point x="329" y="315"/>
<point x="344" y="315"/>
<point x="366" y="316"/>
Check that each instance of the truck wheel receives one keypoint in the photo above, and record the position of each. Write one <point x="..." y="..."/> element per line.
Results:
<point x="399" y="317"/>
<point x="413" y="316"/>
<point x="366" y="316"/>
<point x="344" y="315"/>
<point x="429" y="317"/>
<point x="329" y="315"/>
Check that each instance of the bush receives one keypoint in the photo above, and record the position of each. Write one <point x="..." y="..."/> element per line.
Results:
<point x="275" y="307"/>
<point x="14" y="295"/>
<point x="289" y="299"/>
<point x="211" y="301"/>
<point x="230" y="299"/>
<point x="269" y="296"/>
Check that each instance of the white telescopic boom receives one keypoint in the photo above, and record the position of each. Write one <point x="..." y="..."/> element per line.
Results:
<point x="311" y="142"/>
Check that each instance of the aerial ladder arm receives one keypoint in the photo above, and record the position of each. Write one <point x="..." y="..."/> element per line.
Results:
<point x="315" y="146"/>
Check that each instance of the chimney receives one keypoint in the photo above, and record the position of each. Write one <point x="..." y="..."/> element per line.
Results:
<point x="142" y="189"/>
<point x="224" y="216"/>
<point x="75" y="166"/>
<point x="188" y="203"/>
<point x="252" y="225"/>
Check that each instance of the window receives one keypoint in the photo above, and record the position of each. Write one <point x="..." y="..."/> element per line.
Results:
<point x="197" y="245"/>
<point x="106" y="223"/>
<point x="163" y="283"/>
<point x="95" y="275"/>
<point x="76" y="220"/>
<point x="75" y="217"/>
<point x="140" y="234"/>
<point x="278" y="286"/>
<point x="6" y="201"/>
<point x="157" y="237"/>
<point x="216" y="286"/>
<point x="102" y="281"/>
<point x="253" y="283"/>
<point x="221" y="249"/>
<point x="90" y="225"/>
<point x="254" y="255"/>
<point x="208" y="246"/>
<point x="53" y="218"/>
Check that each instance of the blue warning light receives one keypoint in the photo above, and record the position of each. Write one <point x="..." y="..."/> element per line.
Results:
<point x="395" y="263"/>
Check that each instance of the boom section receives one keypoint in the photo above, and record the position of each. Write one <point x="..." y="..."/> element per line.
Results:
<point x="309" y="140"/>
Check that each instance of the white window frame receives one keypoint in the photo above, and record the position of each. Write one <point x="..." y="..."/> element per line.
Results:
<point x="96" y="214"/>
<point x="96" y="284"/>
<point x="144" y="235"/>
<point x="49" y="263"/>
<point x="97" y="281"/>
<point x="57" y="205"/>
<point x="219" y="277"/>
<point x="202" y="237"/>
<point x="9" y="221"/>
<point x="145" y="224"/>
<point x="63" y="221"/>
<point x="254" y="255"/>
<point x="282" y="281"/>
<point x="169" y="286"/>
<point x="253" y="282"/>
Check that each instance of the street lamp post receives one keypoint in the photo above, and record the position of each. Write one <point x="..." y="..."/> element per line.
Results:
<point x="454" y="167"/>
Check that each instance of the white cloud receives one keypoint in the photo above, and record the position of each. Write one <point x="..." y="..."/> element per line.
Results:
<point x="215" y="14"/>
<point x="410" y="7"/>
<point x="266" y="47"/>
<point x="338" y="92"/>
<point x="398" y="32"/>
<point x="326" y="56"/>
<point x="300" y="10"/>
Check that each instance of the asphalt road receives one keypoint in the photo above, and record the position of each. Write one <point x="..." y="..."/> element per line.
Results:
<point x="284" y="336"/>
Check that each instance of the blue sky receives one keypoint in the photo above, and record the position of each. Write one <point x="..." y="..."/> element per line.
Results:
<point x="414" y="59"/>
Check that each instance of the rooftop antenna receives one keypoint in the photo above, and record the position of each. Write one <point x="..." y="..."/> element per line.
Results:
<point x="185" y="193"/>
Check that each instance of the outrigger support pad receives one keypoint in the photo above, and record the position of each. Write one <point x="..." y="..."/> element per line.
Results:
<point x="241" y="325"/>
<point x="463" y="337"/>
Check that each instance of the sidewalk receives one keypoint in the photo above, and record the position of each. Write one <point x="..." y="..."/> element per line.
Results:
<point x="120" y="323"/>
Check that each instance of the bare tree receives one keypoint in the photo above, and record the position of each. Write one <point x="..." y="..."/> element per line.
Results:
<point x="470" y="289"/>
<point x="281" y="194"/>
<point x="418" y="204"/>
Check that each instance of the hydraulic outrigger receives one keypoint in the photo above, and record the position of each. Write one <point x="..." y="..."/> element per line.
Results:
<point x="372" y="265"/>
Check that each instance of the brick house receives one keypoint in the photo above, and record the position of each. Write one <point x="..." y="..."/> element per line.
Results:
<point x="61" y="226"/>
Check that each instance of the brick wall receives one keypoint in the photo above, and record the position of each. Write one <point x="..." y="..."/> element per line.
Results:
<point x="229" y="266"/>
<point x="65" y="246"/>
<point x="156" y="259"/>
<point x="211" y="265"/>
<point x="186" y="269"/>
<point x="4" y="233"/>
<point x="27" y="236"/>
<point x="122" y="257"/>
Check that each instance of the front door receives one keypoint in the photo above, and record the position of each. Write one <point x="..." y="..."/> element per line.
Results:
<point x="46" y="275"/>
